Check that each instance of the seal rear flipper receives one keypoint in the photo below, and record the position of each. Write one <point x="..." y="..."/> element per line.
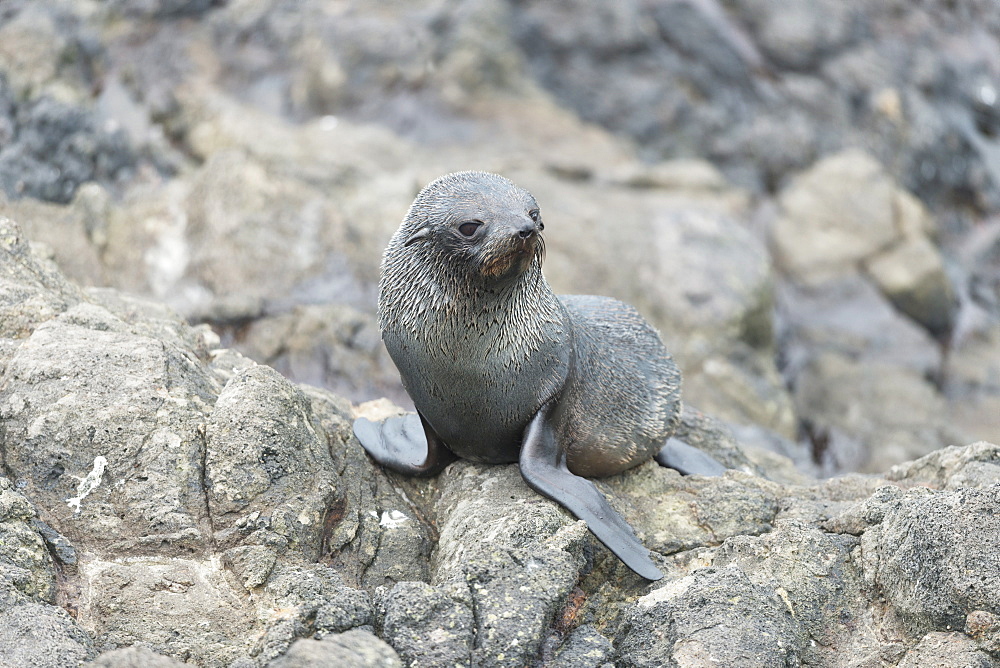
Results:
<point x="543" y="467"/>
<point x="688" y="460"/>
<point x="404" y="443"/>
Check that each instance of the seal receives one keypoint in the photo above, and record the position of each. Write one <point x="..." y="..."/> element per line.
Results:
<point x="502" y="370"/>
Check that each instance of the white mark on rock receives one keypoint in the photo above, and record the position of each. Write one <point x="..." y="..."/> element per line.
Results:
<point x="392" y="519"/>
<point x="16" y="404"/>
<point x="164" y="438"/>
<point x="88" y="484"/>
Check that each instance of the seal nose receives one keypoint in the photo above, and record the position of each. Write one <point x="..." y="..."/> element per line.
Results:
<point x="527" y="231"/>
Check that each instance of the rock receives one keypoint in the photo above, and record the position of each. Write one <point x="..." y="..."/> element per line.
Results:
<point x="814" y="573"/>
<point x="427" y="627"/>
<point x="145" y="399"/>
<point x="946" y="650"/>
<point x="331" y="346"/>
<point x="261" y="443"/>
<point x="912" y="276"/>
<point x="39" y="634"/>
<point x="584" y="648"/>
<point x="849" y="403"/>
<point x="56" y="147"/>
<point x="681" y="513"/>
<point x="833" y="216"/>
<point x="953" y="468"/>
<point x="526" y="549"/>
<point x="710" y="435"/>
<point x="743" y="387"/>
<point x="971" y="381"/>
<point x="984" y="628"/>
<point x="923" y="581"/>
<point x="136" y="656"/>
<point x="850" y="317"/>
<point x="718" y="616"/>
<point x="27" y="564"/>
<point x="800" y="36"/>
<point x="177" y="607"/>
<point x="303" y="600"/>
<point x="353" y="649"/>
<point x="32" y="287"/>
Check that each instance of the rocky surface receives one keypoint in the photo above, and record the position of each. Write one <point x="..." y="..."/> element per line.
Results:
<point x="803" y="201"/>
<point x="169" y="502"/>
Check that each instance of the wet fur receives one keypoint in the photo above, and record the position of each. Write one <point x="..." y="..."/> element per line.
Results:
<point x="482" y="343"/>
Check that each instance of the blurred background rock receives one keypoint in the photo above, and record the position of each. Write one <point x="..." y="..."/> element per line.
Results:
<point x="802" y="196"/>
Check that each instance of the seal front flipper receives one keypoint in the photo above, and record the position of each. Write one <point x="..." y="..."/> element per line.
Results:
<point x="404" y="443"/>
<point x="687" y="460"/>
<point x="543" y="467"/>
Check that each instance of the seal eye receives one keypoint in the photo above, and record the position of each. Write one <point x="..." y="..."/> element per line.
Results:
<point x="469" y="227"/>
<point x="534" y="215"/>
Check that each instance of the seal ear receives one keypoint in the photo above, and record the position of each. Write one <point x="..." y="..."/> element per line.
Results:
<point x="416" y="236"/>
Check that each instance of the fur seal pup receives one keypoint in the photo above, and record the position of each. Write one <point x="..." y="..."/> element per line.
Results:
<point x="501" y="370"/>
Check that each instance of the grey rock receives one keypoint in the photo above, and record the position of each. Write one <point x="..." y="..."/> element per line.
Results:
<point x="712" y="615"/>
<point x="947" y="650"/>
<point x="33" y="289"/>
<point x="848" y="403"/>
<point x="802" y="34"/>
<point x="332" y="346"/>
<point x="145" y="398"/>
<point x="850" y="317"/>
<point x="712" y="436"/>
<point x="953" y="468"/>
<point x="163" y="8"/>
<point x="136" y="656"/>
<point x="525" y="549"/>
<point x="815" y="574"/>
<point x="913" y="277"/>
<point x="252" y="564"/>
<point x="984" y="628"/>
<point x="910" y="556"/>
<point x="266" y="458"/>
<point x="584" y="648"/>
<point x="56" y="147"/>
<point x="353" y="649"/>
<point x="182" y="608"/>
<point x="832" y="216"/>
<point x="38" y="634"/>
<point x="27" y="564"/>
<point x="677" y="513"/>
<point x="427" y="627"/>
<point x="304" y="600"/>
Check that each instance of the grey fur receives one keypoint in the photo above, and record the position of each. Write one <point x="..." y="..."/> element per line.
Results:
<point x="482" y="343"/>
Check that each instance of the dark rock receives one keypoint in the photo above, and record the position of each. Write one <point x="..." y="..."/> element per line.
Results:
<point x="55" y="147"/>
